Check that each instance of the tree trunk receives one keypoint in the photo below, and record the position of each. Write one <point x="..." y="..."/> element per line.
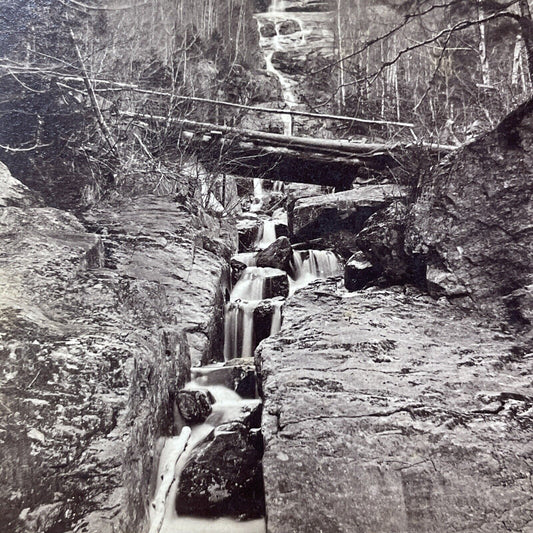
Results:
<point x="340" y="52"/>
<point x="485" y="70"/>
<point x="526" y="26"/>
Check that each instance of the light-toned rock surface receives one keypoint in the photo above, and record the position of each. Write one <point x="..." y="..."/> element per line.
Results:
<point x="14" y="193"/>
<point x="316" y="216"/>
<point x="388" y="412"/>
<point x="96" y="333"/>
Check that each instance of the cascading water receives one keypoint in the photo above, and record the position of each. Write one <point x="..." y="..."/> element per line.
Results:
<point x="310" y="265"/>
<point x="276" y="15"/>
<point x="316" y="263"/>
<point x="252" y="306"/>
<point x="267" y="235"/>
<point x="173" y="459"/>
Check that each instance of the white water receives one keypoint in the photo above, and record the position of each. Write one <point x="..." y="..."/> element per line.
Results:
<point x="239" y="325"/>
<point x="228" y="406"/>
<point x="249" y="291"/>
<point x="311" y="265"/>
<point x="276" y="316"/>
<point x="247" y="258"/>
<point x="239" y="329"/>
<point x="252" y="283"/>
<point x="259" y="195"/>
<point x="267" y="235"/>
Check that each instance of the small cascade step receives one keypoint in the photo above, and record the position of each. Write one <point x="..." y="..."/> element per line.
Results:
<point x="188" y="465"/>
<point x="267" y="235"/>
<point x="248" y="323"/>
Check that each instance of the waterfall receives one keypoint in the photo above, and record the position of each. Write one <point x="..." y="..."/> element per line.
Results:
<point x="173" y="459"/>
<point x="246" y="258"/>
<point x="276" y="317"/>
<point x="251" y="285"/>
<point x="239" y="329"/>
<point x="276" y="6"/>
<point x="317" y="263"/>
<point x="259" y="194"/>
<point x="267" y="235"/>
<point x="310" y="265"/>
<point x="323" y="263"/>
<point x="248" y="316"/>
<point x="240" y="337"/>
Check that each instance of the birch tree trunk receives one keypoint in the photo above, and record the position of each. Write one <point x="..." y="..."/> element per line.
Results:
<point x="342" y="91"/>
<point x="485" y="70"/>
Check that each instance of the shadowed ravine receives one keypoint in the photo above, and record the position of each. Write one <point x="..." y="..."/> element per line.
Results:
<point x="188" y="350"/>
<point x="253" y="313"/>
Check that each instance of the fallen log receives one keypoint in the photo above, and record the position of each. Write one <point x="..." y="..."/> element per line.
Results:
<point x="292" y="141"/>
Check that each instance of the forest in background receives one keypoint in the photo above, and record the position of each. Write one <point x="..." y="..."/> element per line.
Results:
<point x="72" y="74"/>
<point x="453" y="68"/>
<point x="68" y="70"/>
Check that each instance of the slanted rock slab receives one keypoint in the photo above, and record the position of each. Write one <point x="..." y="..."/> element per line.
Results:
<point x="315" y="216"/>
<point x="14" y="193"/>
<point x="385" y="411"/>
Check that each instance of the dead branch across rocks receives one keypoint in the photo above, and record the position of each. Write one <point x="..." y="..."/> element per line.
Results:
<point x="251" y="153"/>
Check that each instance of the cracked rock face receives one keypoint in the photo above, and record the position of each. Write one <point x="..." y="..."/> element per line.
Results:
<point x="96" y="333"/>
<point x="385" y="411"/>
<point x="473" y="216"/>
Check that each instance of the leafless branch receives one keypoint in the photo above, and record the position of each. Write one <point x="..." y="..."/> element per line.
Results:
<point x="408" y="18"/>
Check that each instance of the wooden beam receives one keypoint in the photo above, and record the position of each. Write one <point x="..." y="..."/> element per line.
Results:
<point x="295" y="142"/>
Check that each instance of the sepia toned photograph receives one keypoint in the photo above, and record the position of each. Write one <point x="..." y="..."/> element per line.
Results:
<point x="266" y="266"/>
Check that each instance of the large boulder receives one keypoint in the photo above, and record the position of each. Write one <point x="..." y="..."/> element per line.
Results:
<point x="223" y="475"/>
<point x="277" y="255"/>
<point x="359" y="272"/>
<point x="248" y="229"/>
<point x="289" y="26"/>
<point x="382" y="241"/>
<point x="473" y="216"/>
<point x="195" y="405"/>
<point x="317" y="216"/>
<point x="13" y="193"/>
<point x="387" y="411"/>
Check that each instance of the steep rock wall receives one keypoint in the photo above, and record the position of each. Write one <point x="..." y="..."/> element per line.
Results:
<point x="472" y="220"/>
<point x="97" y="331"/>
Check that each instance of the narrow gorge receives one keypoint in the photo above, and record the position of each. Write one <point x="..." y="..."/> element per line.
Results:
<point x="211" y="350"/>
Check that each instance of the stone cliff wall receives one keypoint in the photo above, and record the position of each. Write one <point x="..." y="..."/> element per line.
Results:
<point x="97" y="332"/>
<point x="472" y="221"/>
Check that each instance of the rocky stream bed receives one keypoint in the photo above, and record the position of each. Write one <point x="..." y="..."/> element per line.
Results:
<point x="363" y="365"/>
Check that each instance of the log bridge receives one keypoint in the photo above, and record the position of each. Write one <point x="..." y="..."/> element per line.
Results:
<point x="289" y="158"/>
